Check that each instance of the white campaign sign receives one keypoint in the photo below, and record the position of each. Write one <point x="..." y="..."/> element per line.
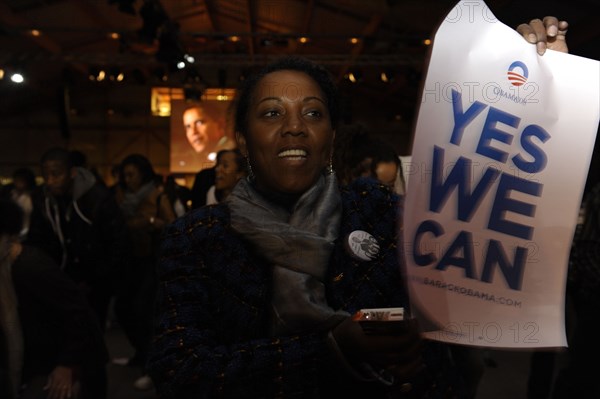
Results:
<point x="502" y="147"/>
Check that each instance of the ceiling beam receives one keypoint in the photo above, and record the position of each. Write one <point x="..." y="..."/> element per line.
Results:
<point x="210" y="13"/>
<point x="250" y="25"/>
<point x="358" y="48"/>
<point x="14" y="22"/>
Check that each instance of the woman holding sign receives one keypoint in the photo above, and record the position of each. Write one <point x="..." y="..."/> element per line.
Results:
<point x="259" y="294"/>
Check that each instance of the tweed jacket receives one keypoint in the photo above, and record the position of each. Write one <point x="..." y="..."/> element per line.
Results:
<point x="211" y="336"/>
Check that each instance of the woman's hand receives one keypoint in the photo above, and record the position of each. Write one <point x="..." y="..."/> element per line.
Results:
<point x="61" y="384"/>
<point x="399" y="354"/>
<point x="547" y="34"/>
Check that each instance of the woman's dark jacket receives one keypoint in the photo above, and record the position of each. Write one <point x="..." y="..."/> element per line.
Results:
<point x="211" y="337"/>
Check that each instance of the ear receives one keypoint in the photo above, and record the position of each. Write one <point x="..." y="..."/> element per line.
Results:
<point x="241" y="141"/>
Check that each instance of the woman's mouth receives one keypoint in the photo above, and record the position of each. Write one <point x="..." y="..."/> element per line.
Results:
<point x="293" y="154"/>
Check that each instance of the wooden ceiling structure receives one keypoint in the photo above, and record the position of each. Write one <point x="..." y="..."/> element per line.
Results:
<point x="59" y="44"/>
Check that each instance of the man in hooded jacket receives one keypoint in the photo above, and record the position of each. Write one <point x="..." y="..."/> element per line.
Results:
<point x="77" y="221"/>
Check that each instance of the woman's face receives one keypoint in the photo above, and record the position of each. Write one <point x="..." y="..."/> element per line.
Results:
<point x="289" y="137"/>
<point x="132" y="177"/>
<point x="227" y="172"/>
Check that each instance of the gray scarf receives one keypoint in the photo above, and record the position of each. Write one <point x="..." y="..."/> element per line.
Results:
<point x="298" y="245"/>
<point x="9" y="316"/>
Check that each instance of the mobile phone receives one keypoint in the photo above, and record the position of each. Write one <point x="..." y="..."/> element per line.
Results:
<point x="385" y="321"/>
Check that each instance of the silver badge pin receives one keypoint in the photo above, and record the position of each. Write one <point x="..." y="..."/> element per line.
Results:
<point x="362" y="245"/>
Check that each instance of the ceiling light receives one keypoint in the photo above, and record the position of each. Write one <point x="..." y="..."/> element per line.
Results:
<point x="35" y="32"/>
<point x="17" y="77"/>
<point x="354" y="40"/>
<point x="354" y="76"/>
<point x="387" y="76"/>
<point x="427" y="42"/>
<point x="303" y="39"/>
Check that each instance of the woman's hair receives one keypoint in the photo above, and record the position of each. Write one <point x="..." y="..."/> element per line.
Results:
<point x="294" y="63"/>
<point x="11" y="217"/>
<point x="239" y="158"/>
<point x="26" y="175"/>
<point x="142" y="164"/>
<point x="352" y="152"/>
<point x="382" y="151"/>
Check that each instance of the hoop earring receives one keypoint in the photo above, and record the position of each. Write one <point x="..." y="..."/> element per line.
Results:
<point x="329" y="169"/>
<point x="249" y="169"/>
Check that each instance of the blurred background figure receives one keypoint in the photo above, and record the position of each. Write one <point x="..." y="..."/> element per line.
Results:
<point x="179" y="196"/>
<point x="386" y="166"/>
<point x="21" y="191"/>
<point x="51" y="344"/>
<point x="76" y="220"/>
<point x="147" y="209"/>
<point x="359" y="154"/>
<point x="229" y="170"/>
<point x="203" y="181"/>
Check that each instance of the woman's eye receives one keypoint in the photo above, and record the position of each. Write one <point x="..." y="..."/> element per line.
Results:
<point x="271" y="113"/>
<point x="314" y="113"/>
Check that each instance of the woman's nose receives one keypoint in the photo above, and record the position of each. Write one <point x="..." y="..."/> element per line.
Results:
<point x="293" y="124"/>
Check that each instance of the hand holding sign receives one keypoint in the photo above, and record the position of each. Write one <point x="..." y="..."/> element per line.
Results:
<point x="547" y="34"/>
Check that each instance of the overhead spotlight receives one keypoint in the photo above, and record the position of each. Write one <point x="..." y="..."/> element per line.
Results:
<point x="234" y="39"/>
<point x="17" y="77"/>
<point x="96" y="74"/>
<point x="387" y="76"/>
<point x="427" y="42"/>
<point x="354" y="40"/>
<point x="354" y="76"/>
<point x="116" y="74"/>
<point x="1" y="73"/>
<point x="303" y="39"/>
<point x="189" y="58"/>
<point x="35" y="33"/>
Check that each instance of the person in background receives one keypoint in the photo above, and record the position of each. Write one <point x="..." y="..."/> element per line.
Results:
<point x="203" y="181"/>
<point x="147" y="210"/>
<point x="77" y="221"/>
<point x="21" y="191"/>
<point x="180" y="196"/>
<point x="51" y="345"/>
<point x="386" y="167"/>
<point x="229" y="170"/>
<point x="352" y="154"/>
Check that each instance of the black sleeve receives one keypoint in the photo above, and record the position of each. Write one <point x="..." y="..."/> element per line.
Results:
<point x="56" y="319"/>
<point x="204" y="179"/>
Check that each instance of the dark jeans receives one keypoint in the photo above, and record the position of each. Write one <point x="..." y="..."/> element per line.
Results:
<point x="134" y="306"/>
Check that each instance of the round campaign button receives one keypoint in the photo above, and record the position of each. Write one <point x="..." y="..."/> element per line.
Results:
<point x="362" y="245"/>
